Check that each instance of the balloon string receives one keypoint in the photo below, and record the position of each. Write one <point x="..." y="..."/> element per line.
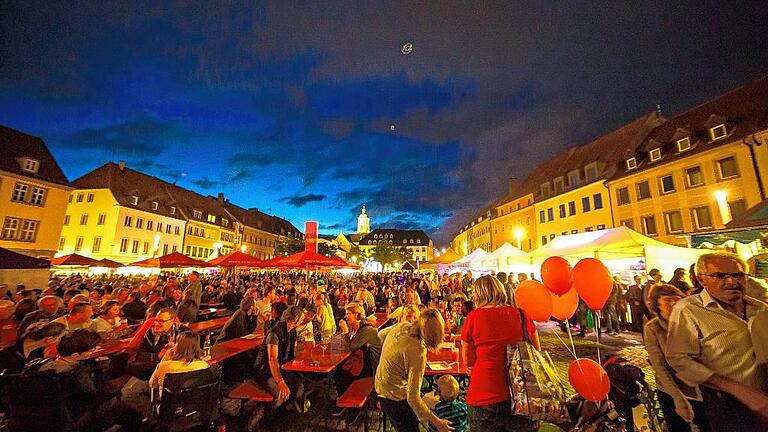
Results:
<point x="570" y="336"/>
<point x="597" y="315"/>
<point x="554" y="331"/>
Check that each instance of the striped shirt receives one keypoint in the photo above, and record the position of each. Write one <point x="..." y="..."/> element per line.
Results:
<point x="705" y="339"/>
<point x="455" y="412"/>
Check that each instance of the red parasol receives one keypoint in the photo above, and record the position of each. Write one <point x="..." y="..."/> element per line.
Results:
<point x="74" y="260"/>
<point x="108" y="263"/>
<point x="236" y="259"/>
<point x="172" y="260"/>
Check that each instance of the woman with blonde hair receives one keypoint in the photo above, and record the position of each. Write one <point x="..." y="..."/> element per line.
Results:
<point x="401" y="371"/>
<point x="485" y="335"/>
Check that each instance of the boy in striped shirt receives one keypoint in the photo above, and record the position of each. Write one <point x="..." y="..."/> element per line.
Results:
<point x="449" y="407"/>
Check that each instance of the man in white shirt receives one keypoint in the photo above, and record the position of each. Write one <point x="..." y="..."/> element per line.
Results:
<point x="710" y="344"/>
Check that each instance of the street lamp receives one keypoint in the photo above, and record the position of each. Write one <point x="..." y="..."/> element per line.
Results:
<point x="721" y="197"/>
<point x="243" y="248"/>
<point x="519" y="232"/>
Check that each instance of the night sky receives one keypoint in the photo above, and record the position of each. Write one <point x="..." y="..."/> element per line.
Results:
<point x="290" y="106"/>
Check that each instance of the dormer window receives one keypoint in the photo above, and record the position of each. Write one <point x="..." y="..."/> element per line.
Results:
<point x="631" y="163"/>
<point x="155" y="205"/>
<point x="197" y="214"/>
<point x="211" y="218"/>
<point x="134" y="200"/>
<point x="717" y="132"/>
<point x="30" y="165"/>
<point x="683" y="144"/>
<point x="655" y="154"/>
<point x="559" y="184"/>
<point x="545" y="190"/>
<point x="173" y="210"/>
<point x="225" y="222"/>
<point x="573" y="179"/>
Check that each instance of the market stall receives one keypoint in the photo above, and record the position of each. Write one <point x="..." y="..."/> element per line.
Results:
<point x="506" y="258"/>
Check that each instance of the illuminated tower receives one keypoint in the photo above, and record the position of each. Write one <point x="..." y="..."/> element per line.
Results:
<point x="363" y="223"/>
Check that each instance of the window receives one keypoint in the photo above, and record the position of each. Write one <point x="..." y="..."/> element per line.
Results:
<point x="62" y="242"/>
<point x="629" y="223"/>
<point x="165" y="249"/>
<point x="551" y="236"/>
<point x="643" y="190"/>
<point x="197" y="231"/>
<point x="702" y="217"/>
<point x="622" y="196"/>
<point x="737" y="208"/>
<point x="601" y="226"/>
<point x="562" y="210"/>
<point x="89" y="198"/>
<point x="159" y="227"/>
<point x="66" y="220"/>
<point x="649" y="225"/>
<point x="674" y="221"/>
<point x="197" y="214"/>
<point x="717" y="132"/>
<point x="694" y="177"/>
<point x="135" y="247"/>
<point x="194" y="251"/>
<point x="543" y="240"/>
<point x="590" y="171"/>
<point x="542" y="218"/>
<point x="102" y="219"/>
<point x="683" y="144"/>
<point x="145" y="251"/>
<point x="29" y="230"/>
<point x="571" y="208"/>
<point x="174" y="248"/>
<point x="150" y="225"/>
<point x="139" y="223"/>
<point x="70" y="198"/>
<point x="79" y="198"/>
<point x="96" y="244"/>
<point x="418" y="241"/>
<point x="168" y="228"/>
<point x="550" y="214"/>
<point x="128" y="221"/>
<point x="189" y="250"/>
<point x="173" y="210"/>
<point x="123" y="245"/>
<point x="667" y="184"/>
<point x="655" y="154"/>
<point x="20" y="193"/>
<point x="176" y="230"/>
<point x="559" y="184"/>
<point x="598" y="200"/>
<point x="574" y="231"/>
<point x="631" y="163"/>
<point x="585" y="207"/>
<point x="728" y="167"/>
<point x="573" y="178"/>
<point x="211" y="218"/>
<point x="545" y="190"/>
<point x="31" y="165"/>
<point x="11" y="228"/>
<point x="564" y="233"/>
<point x="78" y="244"/>
<point x="155" y="205"/>
<point x="84" y="219"/>
<point x="225" y="222"/>
<point x="134" y="200"/>
<point x="38" y="196"/>
<point x="588" y="229"/>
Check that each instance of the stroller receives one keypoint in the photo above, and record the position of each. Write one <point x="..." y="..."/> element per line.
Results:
<point x="630" y="405"/>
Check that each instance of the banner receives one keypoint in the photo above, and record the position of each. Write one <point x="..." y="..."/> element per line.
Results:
<point x="310" y="236"/>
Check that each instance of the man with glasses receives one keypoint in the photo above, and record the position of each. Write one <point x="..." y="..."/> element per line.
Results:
<point x="710" y="344"/>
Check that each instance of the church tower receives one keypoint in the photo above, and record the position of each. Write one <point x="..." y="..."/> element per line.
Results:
<point x="363" y="223"/>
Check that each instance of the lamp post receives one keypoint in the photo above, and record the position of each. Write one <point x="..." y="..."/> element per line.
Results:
<point x="721" y="197"/>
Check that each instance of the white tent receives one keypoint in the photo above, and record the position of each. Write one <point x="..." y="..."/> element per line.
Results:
<point x="466" y="262"/>
<point x="503" y="257"/>
<point x="617" y="248"/>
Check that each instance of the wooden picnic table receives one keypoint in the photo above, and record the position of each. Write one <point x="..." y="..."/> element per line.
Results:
<point x="454" y="359"/>
<point x="312" y="359"/>
<point x="381" y="319"/>
<point x="227" y="349"/>
<point x="209" y="325"/>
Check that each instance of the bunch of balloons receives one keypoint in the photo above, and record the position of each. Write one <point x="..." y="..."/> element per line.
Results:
<point x="558" y="297"/>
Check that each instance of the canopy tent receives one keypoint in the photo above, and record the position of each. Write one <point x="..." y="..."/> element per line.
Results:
<point x="16" y="268"/>
<point x="617" y="244"/>
<point x="504" y="256"/>
<point x="235" y="259"/>
<point x="74" y="260"/>
<point x="468" y="261"/>
<point x="108" y="263"/>
<point x="304" y="260"/>
<point x="172" y="260"/>
<point x="440" y="263"/>
<point x="342" y="263"/>
<point x="408" y="266"/>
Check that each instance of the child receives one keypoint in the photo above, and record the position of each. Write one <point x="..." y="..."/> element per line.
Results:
<point x="449" y="407"/>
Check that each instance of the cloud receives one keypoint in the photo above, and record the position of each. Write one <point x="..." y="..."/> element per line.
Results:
<point x="302" y="200"/>
<point x="206" y="183"/>
<point x="335" y="226"/>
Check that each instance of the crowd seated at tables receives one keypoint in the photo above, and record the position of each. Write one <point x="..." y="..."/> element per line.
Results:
<point x="112" y="341"/>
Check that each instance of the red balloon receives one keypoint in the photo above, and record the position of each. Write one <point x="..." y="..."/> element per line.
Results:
<point x="564" y="306"/>
<point x="593" y="282"/>
<point x="534" y="299"/>
<point x="556" y="275"/>
<point x="589" y="379"/>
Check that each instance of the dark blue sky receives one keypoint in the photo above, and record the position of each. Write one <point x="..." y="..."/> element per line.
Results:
<point x="288" y="106"/>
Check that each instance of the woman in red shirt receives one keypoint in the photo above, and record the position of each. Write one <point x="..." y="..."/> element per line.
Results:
<point x="486" y="332"/>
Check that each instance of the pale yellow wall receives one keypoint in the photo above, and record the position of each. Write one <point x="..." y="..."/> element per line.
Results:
<point x="459" y="244"/>
<point x="263" y="245"/>
<point x="114" y="229"/>
<point x="50" y="215"/>
<point x="515" y="215"/>
<point x="207" y="242"/>
<point x="581" y="221"/>
<point x="684" y="199"/>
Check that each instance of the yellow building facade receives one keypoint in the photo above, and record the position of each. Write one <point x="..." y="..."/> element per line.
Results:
<point x="33" y="195"/>
<point x="583" y="209"/>
<point x="99" y="225"/>
<point x="514" y="224"/>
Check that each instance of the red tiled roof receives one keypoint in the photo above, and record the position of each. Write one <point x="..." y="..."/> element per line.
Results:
<point x="15" y="144"/>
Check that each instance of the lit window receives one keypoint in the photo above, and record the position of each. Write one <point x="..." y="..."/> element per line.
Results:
<point x="155" y="205"/>
<point x="29" y="230"/>
<point x="173" y="210"/>
<point x="702" y="217"/>
<point x="622" y="196"/>
<point x="134" y="200"/>
<point x="211" y="218"/>
<point x="601" y="226"/>
<point x="649" y="225"/>
<point x="20" y="193"/>
<point x="31" y="165"/>
<point x="694" y="177"/>
<point x="38" y="196"/>
<point x="683" y="144"/>
<point x="728" y="168"/>
<point x="643" y="191"/>
<point x="667" y="184"/>
<point x="655" y="154"/>
<point x="674" y="221"/>
<point x="631" y="163"/>
<point x="717" y="132"/>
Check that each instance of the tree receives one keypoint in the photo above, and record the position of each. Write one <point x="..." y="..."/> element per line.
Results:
<point x="387" y="254"/>
<point x="356" y="254"/>
<point x="327" y="249"/>
<point x="288" y="246"/>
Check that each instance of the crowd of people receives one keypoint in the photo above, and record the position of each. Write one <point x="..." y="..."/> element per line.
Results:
<point x="706" y="332"/>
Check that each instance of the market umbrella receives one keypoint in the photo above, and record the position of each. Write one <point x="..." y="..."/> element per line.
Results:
<point x="74" y="260"/>
<point x="172" y="260"/>
<point x="305" y="260"/>
<point x="10" y="260"/>
<point x="108" y="263"/>
<point x="235" y="259"/>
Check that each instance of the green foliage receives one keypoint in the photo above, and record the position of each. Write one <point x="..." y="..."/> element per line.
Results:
<point x="387" y="254"/>
<point x="288" y="246"/>
<point x="327" y="249"/>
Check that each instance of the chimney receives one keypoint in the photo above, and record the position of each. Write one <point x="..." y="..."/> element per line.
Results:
<point x="121" y="165"/>
<point x="221" y="197"/>
<point x="514" y="183"/>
